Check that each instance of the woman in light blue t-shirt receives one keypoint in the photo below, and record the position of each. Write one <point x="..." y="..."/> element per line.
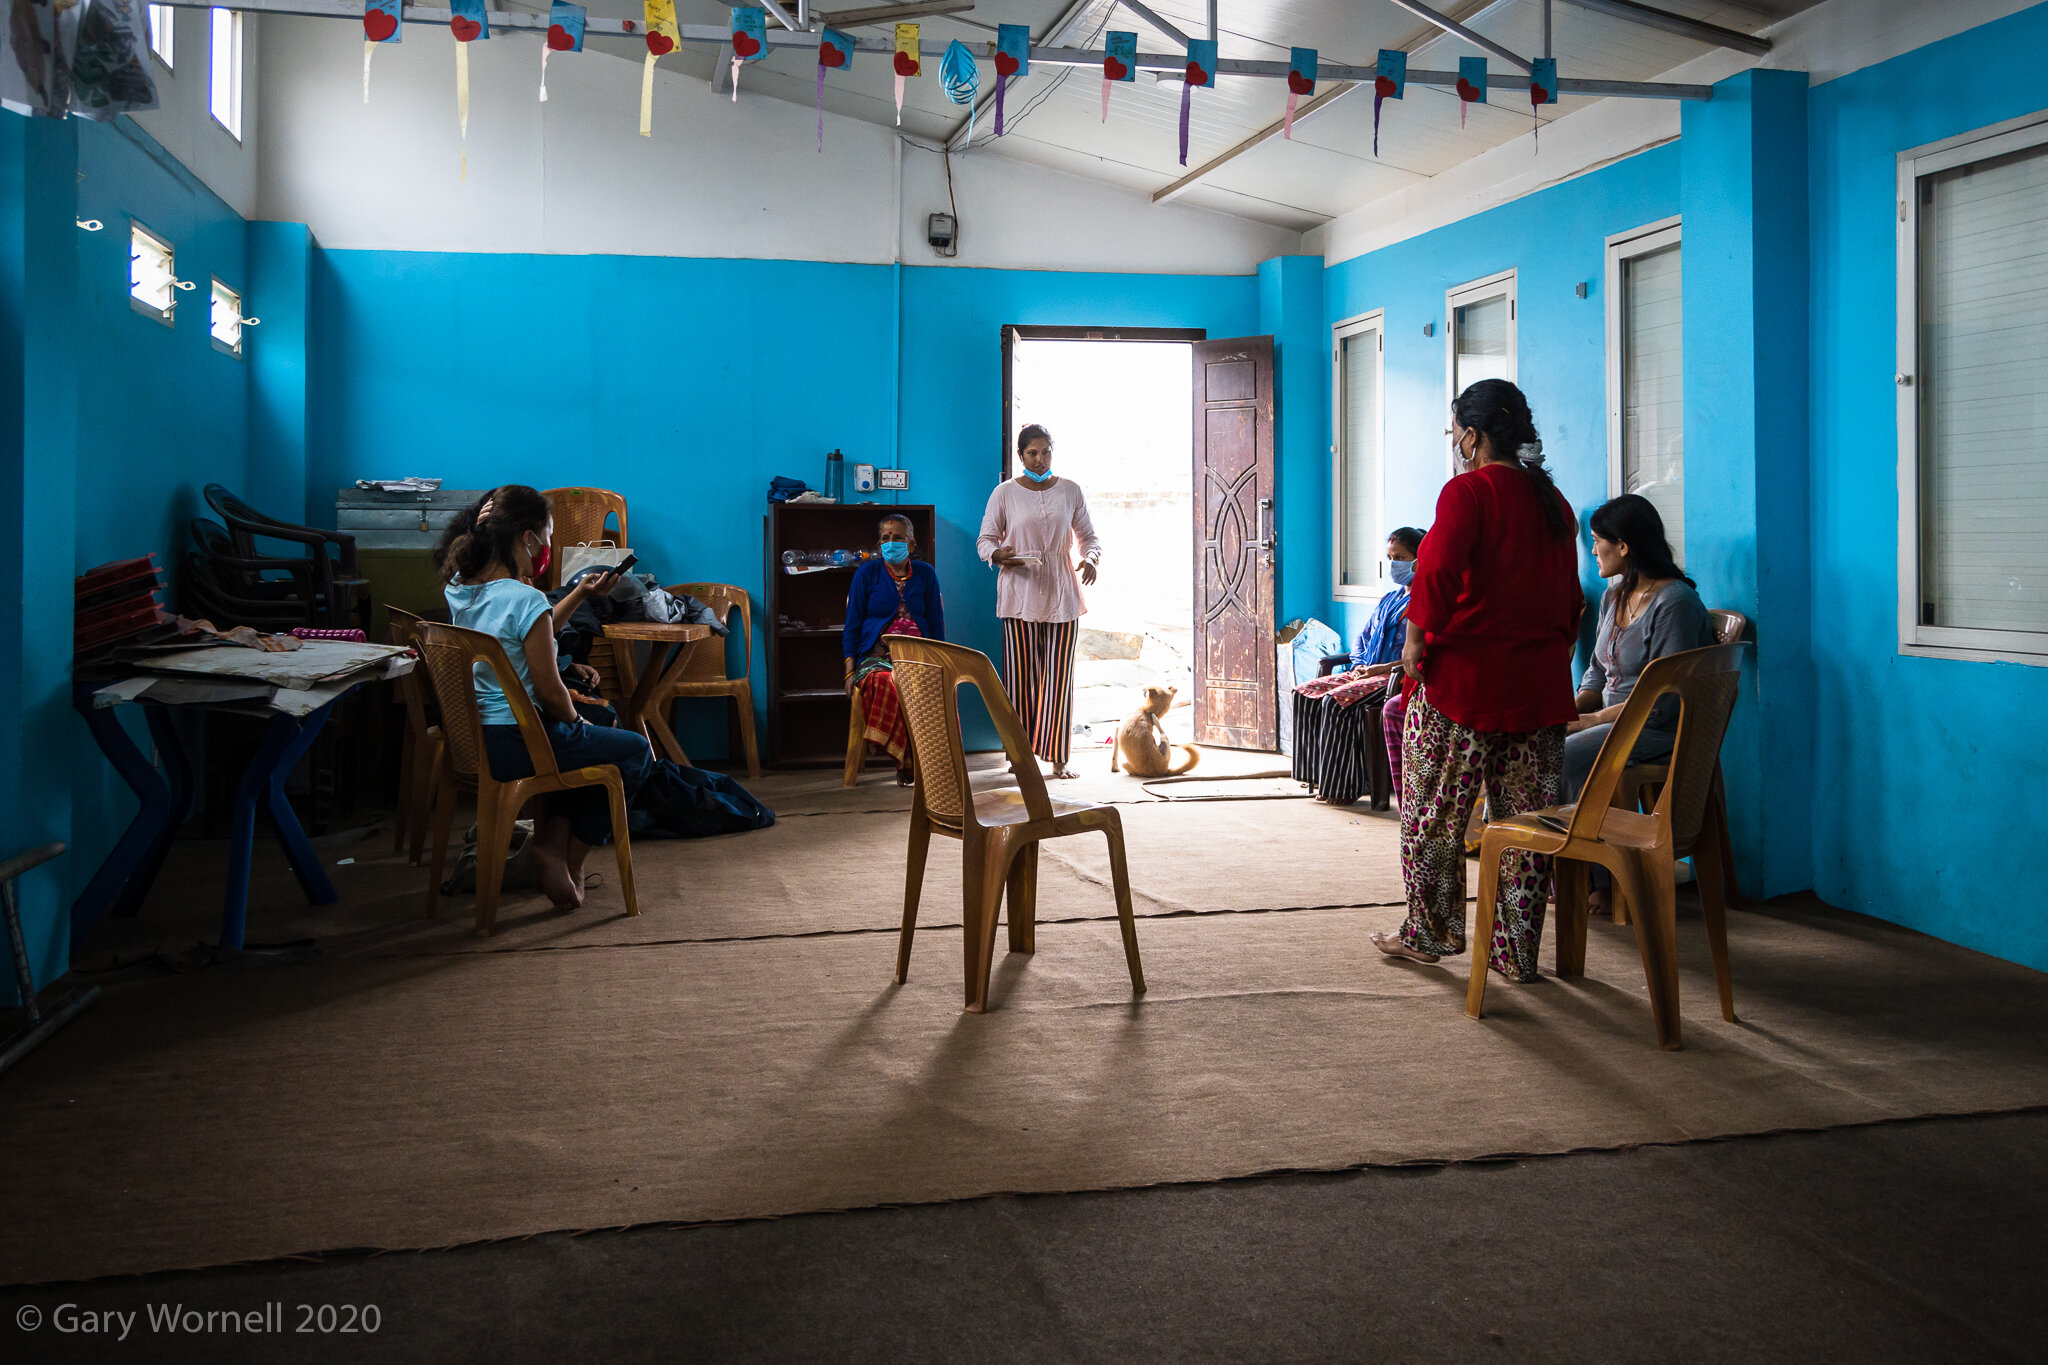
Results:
<point x="488" y="560"/>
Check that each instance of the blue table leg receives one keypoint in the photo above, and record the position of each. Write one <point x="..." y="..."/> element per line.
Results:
<point x="285" y="741"/>
<point x="177" y="775"/>
<point x="124" y="878"/>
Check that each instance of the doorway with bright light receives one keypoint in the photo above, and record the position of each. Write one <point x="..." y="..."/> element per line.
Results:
<point x="1119" y="405"/>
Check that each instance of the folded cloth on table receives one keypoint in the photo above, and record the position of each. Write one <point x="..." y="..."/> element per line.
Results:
<point x="781" y="489"/>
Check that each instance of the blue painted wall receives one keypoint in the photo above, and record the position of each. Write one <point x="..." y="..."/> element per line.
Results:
<point x="1928" y="772"/>
<point x="1553" y="240"/>
<point x="687" y="384"/>
<point x="1291" y="312"/>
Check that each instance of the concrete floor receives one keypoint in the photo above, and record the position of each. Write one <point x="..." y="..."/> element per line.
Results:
<point x="1911" y="1242"/>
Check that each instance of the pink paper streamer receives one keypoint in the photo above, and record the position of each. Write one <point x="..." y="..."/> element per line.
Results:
<point x="899" y="99"/>
<point x="1002" y="84"/>
<point x="736" y="78"/>
<point x="821" y="108"/>
<point x="1187" y="92"/>
<point x="1105" y="99"/>
<point x="1287" y="123"/>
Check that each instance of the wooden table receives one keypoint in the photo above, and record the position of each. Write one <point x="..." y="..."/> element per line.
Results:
<point x="647" y="695"/>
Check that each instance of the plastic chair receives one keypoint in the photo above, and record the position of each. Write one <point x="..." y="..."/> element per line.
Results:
<point x="856" y="740"/>
<point x="580" y="517"/>
<point x="1643" y="781"/>
<point x="208" y="593"/>
<point x="337" y="580"/>
<point x="707" y="676"/>
<point x="999" y="830"/>
<point x="1639" y="849"/>
<point x="450" y="654"/>
<point x="420" y="755"/>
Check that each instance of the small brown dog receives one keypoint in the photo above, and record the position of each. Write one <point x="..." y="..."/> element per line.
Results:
<point x="1141" y="741"/>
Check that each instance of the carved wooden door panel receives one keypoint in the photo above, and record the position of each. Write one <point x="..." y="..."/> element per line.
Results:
<point x="1236" y="705"/>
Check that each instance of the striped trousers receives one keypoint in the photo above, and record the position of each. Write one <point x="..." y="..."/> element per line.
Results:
<point x="1038" y="674"/>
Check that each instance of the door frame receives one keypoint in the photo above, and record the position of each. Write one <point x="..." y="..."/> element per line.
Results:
<point x="1015" y="331"/>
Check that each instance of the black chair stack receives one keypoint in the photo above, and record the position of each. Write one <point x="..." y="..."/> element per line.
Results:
<point x="232" y="581"/>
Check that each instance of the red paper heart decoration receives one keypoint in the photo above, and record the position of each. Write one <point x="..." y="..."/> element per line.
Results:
<point x="1384" y="87"/>
<point x="1537" y="94"/>
<point x="1115" y="69"/>
<point x="906" y="65"/>
<point x="626" y="24"/>
<point x="559" y="39"/>
<point x="1197" y="76"/>
<point x="1467" y="91"/>
<point x="379" y="24"/>
<point x="745" y="44"/>
<point x="1006" y="65"/>
<point x="828" y="55"/>
<point x="1300" y="84"/>
<point x="465" y="30"/>
<point x="660" y="44"/>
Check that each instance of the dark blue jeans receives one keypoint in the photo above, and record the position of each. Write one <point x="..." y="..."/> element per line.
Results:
<point x="576" y="746"/>
<point x="666" y="800"/>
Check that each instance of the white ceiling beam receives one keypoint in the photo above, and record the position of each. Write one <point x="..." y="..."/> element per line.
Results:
<point x="1450" y="25"/>
<point x="886" y="14"/>
<point x="1157" y="20"/>
<point x="1696" y="29"/>
<point x="788" y="20"/>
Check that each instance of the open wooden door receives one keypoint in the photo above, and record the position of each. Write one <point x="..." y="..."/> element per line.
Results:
<point x="1236" y="704"/>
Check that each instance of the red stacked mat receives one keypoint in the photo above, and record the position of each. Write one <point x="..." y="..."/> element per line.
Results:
<point x="115" y="601"/>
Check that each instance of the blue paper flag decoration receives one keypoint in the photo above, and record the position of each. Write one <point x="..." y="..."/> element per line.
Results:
<point x="565" y="34"/>
<point x="1301" y="80"/>
<point x="381" y="21"/>
<point x="1389" y="82"/>
<point x="1119" y="63"/>
<point x="1013" y="58"/>
<point x="1471" y="84"/>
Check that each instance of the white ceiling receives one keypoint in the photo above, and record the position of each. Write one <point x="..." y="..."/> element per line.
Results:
<point x="1054" y="114"/>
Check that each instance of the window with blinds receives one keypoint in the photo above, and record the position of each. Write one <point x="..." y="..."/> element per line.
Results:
<point x="1645" y="374"/>
<point x="1479" y="335"/>
<point x="224" y="70"/>
<point x="1973" y="384"/>
<point x="1359" y="422"/>
<point x="161" y="32"/>
<point x="152" y="274"/>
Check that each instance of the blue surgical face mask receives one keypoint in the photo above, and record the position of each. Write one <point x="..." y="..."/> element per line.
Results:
<point x="895" y="551"/>
<point x="1037" y="477"/>
<point x="1403" y="571"/>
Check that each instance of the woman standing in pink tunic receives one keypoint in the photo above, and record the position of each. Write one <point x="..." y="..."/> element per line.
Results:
<point x="1028" y="534"/>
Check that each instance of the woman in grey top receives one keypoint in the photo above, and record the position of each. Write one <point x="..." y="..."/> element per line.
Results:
<point x="1650" y="611"/>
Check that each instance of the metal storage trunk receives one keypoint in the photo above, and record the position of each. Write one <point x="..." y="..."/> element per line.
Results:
<point x="398" y="521"/>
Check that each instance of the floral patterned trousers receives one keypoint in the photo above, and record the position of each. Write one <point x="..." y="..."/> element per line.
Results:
<point x="1444" y="768"/>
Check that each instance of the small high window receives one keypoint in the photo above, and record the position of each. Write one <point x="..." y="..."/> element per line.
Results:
<point x="227" y="319"/>
<point x="161" y="32"/>
<point x="1479" y="335"/>
<point x="152" y="274"/>
<point x="224" y="74"/>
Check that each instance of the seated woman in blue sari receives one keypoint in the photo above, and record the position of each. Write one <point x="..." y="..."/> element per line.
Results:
<point x="893" y="594"/>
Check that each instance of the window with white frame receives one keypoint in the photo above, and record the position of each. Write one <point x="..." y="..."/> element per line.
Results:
<point x="1357" y="365"/>
<point x="1972" y="385"/>
<point x="1479" y="333"/>
<point x="224" y="70"/>
<point x="1645" y="374"/>
<point x="227" y="319"/>
<point x="161" y="32"/>
<point x="152" y="274"/>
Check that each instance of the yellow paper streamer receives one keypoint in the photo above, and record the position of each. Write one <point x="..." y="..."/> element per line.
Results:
<point x="462" y="100"/>
<point x="663" y="37"/>
<point x="544" y="50"/>
<point x="369" y="51"/>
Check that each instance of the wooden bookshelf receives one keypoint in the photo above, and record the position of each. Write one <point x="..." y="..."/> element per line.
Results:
<point x="807" y="703"/>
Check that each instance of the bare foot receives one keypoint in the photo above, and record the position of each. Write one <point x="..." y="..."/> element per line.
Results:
<point x="1391" y="945"/>
<point x="905" y="777"/>
<point x="551" y="872"/>
<point x="1596" y="903"/>
<point x="1064" y="774"/>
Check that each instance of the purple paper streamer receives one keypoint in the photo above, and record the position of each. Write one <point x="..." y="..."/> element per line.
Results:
<point x="1002" y="84"/>
<point x="1377" y="100"/>
<point x="1187" y="92"/>
<point x="821" y="108"/>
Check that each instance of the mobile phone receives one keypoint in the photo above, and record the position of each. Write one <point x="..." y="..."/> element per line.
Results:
<point x="628" y="562"/>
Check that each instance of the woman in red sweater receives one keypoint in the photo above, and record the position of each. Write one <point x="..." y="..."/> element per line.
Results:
<point x="1493" y="615"/>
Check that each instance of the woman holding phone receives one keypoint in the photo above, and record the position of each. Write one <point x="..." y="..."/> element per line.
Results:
<point x="1028" y="535"/>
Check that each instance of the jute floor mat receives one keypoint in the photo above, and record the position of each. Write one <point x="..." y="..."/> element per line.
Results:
<point x="423" y="1098"/>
